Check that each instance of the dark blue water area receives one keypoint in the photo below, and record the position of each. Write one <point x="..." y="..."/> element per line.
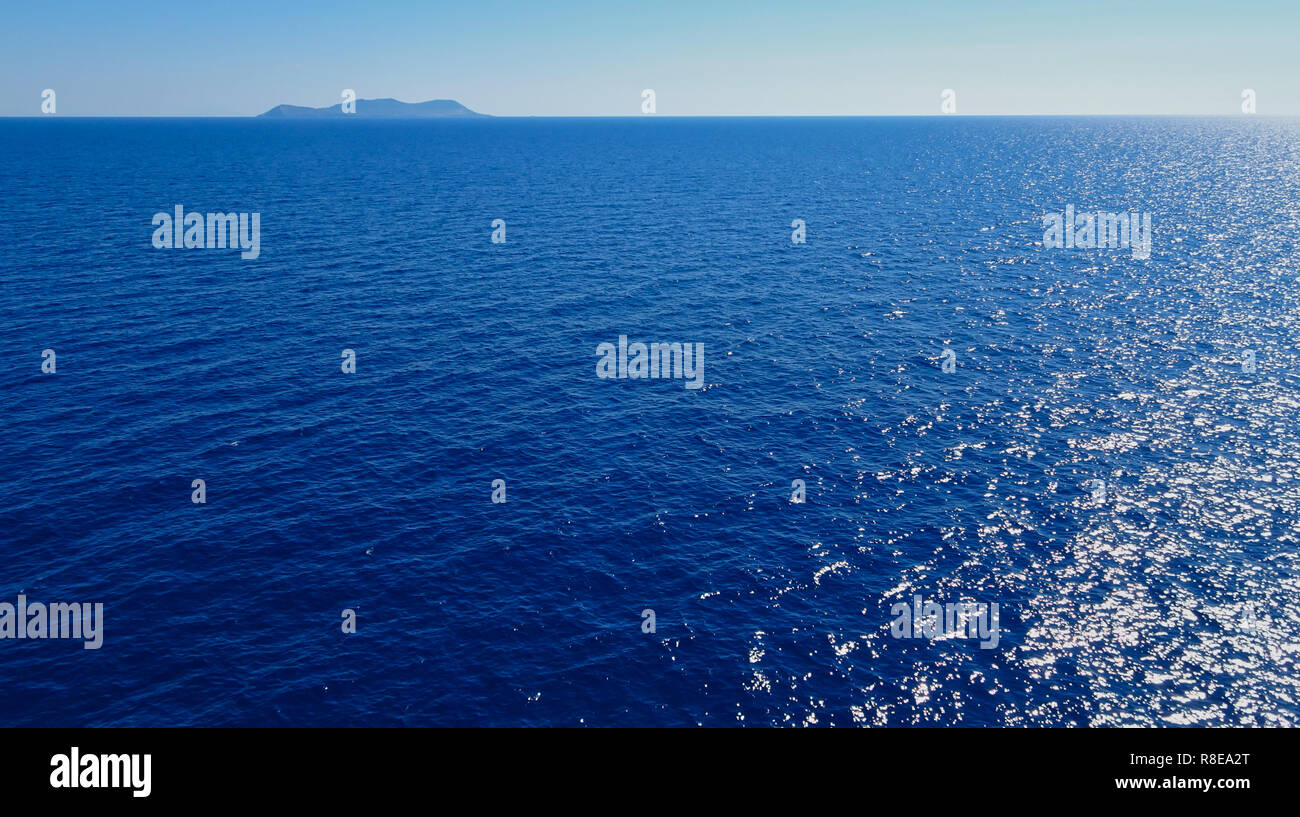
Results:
<point x="1168" y="599"/>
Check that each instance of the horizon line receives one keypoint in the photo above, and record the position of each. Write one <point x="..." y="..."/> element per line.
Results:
<point x="482" y="116"/>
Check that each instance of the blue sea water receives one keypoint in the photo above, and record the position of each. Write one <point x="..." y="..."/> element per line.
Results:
<point x="1169" y="601"/>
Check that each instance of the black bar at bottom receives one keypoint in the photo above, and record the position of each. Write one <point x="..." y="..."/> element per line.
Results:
<point x="378" y="766"/>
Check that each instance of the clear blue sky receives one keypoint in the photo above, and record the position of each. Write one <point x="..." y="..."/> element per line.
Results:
<point x="795" y="57"/>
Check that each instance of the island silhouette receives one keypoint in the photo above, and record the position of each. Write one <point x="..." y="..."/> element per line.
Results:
<point x="380" y="108"/>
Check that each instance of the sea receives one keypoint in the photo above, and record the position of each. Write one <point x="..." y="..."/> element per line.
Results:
<point x="908" y="399"/>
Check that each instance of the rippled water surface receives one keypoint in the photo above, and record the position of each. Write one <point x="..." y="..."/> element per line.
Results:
<point x="1171" y="601"/>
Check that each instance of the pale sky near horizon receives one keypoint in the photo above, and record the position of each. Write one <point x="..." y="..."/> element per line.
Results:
<point x="578" y="58"/>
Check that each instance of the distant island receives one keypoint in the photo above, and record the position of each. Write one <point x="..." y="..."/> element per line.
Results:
<point x="380" y="108"/>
